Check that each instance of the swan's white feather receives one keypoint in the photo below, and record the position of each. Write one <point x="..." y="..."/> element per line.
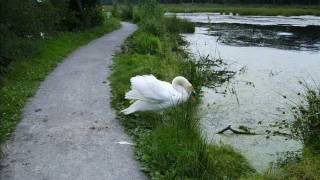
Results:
<point x="149" y="93"/>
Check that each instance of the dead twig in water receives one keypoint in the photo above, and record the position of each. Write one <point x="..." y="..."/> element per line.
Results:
<point x="236" y="131"/>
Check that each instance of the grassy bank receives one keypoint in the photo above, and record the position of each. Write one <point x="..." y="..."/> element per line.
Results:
<point x="306" y="129"/>
<point x="169" y="145"/>
<point x="308" y="167"/>
<point x="24" y="75"/>
<point x="245" y="9"/>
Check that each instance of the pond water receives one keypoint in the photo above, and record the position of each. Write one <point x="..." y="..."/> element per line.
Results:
<point x="271" y="55"/>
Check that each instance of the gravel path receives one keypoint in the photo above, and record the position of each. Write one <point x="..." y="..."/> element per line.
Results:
<point x="69" y="130"/>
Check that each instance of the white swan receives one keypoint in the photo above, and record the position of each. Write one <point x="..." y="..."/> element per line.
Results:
<point x="151" y="94"/>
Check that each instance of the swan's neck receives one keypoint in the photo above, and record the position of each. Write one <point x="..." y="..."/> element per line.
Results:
<point x="178" y="84"/>
<point x="178" y="81"/>
<point x="178" y="88"/>
<point x="184" y="95"/>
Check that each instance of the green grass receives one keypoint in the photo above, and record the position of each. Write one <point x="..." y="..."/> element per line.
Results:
<point x="306" y="168"/>
<point x="305" y="128"/>
<point x="24" y="76"/>
<point x="169" y="144"/>
<point x="245" y="9"/>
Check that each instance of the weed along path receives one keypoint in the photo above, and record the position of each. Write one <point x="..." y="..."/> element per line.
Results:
<point x="69" y="130"/>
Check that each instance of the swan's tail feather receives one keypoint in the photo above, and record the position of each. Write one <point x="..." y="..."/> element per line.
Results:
<point x="128" y="110"/>
<point x="138" y="106"/>
<point x="131" y="109"/>
<point x="134" y="94"/>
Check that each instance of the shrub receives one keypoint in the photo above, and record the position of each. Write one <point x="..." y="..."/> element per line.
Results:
<point x="149" y="15"/>
<point x="93" y="16"/>
<point x="88" y="14"/>
<point x="176" y="26"/>
<point x="149" y="9"/>
<point x="127" y="10"/>
<point x="153" y="26"/>
<point x="306" y="126"/>
<point x="146" y="43"/>
<point x="123" y="9"/>
<point x="115" y="11"/>
<point x="24" y="21"/>
<point x="21" y="17"/>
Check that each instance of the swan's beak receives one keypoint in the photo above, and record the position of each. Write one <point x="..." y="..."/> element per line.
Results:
<point x="193" y="97"/>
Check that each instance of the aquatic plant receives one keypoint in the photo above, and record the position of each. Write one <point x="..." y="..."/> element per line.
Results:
<point x="306" y="126"/>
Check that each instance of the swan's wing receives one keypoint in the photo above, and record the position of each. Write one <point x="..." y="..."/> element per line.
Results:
<point x="145" y="106"/>
<point x="149" y="88"/>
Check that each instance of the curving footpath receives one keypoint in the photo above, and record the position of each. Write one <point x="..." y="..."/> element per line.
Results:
<point x="69" y="130"/>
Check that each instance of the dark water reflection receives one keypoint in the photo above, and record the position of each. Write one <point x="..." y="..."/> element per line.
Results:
<point x="281" y="37"/>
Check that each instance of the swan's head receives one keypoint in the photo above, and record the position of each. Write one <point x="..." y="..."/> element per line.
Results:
<point x="183" y="82"/>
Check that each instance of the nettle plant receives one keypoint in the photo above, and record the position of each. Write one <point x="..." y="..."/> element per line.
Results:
<point x="306" y="126"/>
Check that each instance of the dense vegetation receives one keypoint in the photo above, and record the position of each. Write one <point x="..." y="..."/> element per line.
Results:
<point x="306" y="126"/>
<point x="24" y="22"/>
<point x="287" y="2"/>
<point x="274" y="2"/>
<point x="31" y="48"/>
<point x="266" y="10"/>
<point x="169" y="145"/>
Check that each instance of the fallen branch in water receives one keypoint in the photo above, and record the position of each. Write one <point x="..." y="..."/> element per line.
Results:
<point x="236" y="131"/>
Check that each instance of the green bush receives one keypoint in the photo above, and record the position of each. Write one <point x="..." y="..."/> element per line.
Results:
<point x="127" y="11"/>
<point x="177" y="26"/>
<point x="22" y="17"/>
<point x="25" y="22"/>
<point x="93" y="16"/>
<point x="153" y="26"/>
<point x="115" y="11"/>
<point x="123" y="10"/>
<point x="89" y="14"/>
<point x="17" y="48"/>
<point x="149" y="15"/>
<point x="306" y="126"/>
<point x="145" y="43"/>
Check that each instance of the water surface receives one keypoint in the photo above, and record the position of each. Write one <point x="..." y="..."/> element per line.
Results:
<point x="272" y="57"/>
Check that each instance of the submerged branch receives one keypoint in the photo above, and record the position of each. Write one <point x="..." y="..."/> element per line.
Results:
<point x="236" y="131"/>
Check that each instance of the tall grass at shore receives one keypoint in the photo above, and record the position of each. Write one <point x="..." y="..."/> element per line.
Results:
<point x="306" y="129"/>
<point x="266" y="10"/>
<point x="23" y="76"/>
<point x="253" y="10"/>
<point x="169" y="144"/>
